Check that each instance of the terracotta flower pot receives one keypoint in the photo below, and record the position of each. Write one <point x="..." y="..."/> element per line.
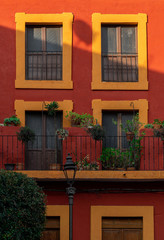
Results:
<point x="131" y="169"/>
<point x="157" y="126"/>
<point x="10" y="166"/>
<point x="20" y="166"/>
<point x="55" y="166"/>
<point x="130" y="136"/>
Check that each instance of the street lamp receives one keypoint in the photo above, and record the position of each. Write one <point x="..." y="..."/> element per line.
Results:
<point x="70" y="172"/>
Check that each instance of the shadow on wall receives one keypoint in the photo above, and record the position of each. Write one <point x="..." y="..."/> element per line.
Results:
<point x="115" y="68"/>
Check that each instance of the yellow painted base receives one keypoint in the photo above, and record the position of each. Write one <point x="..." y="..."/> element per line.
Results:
<point x="99" y="175"/>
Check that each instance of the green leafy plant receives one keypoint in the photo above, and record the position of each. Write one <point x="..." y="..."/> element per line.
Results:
<point x="149" y="125"/>
<point x="25" y="134"/>
<point x="112" y="158"/>
<point x="12" y="121"/>
<point x="22" y="207"/>
<point x="132" y="125"/>
<point x="96" y="132"/>
<point x="94" y="166"/>
<point x="83" y="163"/>
<point x="52" y="108"/>
<point x="62" y="133"/>
<point x="157" y="121"/>
<point x="80" y="120"/>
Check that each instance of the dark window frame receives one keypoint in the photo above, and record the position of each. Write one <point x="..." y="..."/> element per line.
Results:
<point x="119" y="67"/>
<point x="44" y="72"/>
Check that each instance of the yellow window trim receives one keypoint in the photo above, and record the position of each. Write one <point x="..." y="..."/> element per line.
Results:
<point x="146" y="212"/>
<point x="140" y="19"/>
<point x="61" y="211"/>
<point x="141" y="105"/>
<point x="66" y="20"/>
<point x="21" y="106"/>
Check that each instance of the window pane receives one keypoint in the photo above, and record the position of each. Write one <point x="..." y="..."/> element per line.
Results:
<point x="128" y="40"/>
<point x="51" y="127"/>
<point x="108" y="40"/>
<point x="110" y="128"/>
<point x="34" y="43"/>
<point x="53" y="39"/>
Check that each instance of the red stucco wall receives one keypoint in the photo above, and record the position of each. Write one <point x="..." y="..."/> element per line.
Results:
<point x="82" y="44"/>
<point x="81" y="93"/>
<point x="83" y="203"/>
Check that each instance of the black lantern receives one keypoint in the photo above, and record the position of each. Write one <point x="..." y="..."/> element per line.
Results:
<point x="69" y="170"/>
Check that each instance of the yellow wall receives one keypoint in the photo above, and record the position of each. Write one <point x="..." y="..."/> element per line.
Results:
<point x="146" y="212"/>
<point x="141" y="105"/>
<point x="61" y="211"/>
<point x="21" y="106"/>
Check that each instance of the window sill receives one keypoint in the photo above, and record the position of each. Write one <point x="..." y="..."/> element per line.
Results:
<point x="43" y="84"/>
<point x="120" y="85"/>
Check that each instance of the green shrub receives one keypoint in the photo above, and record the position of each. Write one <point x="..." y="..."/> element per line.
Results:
<point x="12" y="121"/>
<point x="22" y="207"/>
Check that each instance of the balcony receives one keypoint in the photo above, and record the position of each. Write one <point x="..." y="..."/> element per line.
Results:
<point x="49" y="153"/>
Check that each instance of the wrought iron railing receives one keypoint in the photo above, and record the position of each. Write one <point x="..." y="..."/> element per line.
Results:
<point x="44" y="66"/>
<point x="113" y="153"/>
<point x="119" y="67"/>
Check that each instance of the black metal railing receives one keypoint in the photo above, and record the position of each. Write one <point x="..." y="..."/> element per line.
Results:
<point x="113" y="153"/>
<point x="44" y="66"/>
<point x="119" y="67"/>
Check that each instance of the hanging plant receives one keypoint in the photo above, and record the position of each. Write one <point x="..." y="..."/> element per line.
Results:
<point x="25" y="134"/>
<point x="51" y="108"/>
<point x="97" y="132"/>
<point x="62" y="133"/>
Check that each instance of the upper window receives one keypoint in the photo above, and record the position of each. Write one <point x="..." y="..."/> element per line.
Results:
<point x="43" y="52"/>
<point x="119" y="53"/>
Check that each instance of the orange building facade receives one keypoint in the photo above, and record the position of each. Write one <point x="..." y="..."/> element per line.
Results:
<point x="104" y="58"/>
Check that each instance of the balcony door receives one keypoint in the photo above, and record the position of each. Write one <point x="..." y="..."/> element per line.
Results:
<point x="46" y="148"/>
<point x="111" y="120"/>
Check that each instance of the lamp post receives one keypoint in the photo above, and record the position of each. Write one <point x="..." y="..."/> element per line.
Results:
<point x="70" y="172"/>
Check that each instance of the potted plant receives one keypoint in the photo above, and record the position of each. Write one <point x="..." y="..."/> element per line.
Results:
<point x="62" y="133"/>
<point x="12" y="121"/>
<point x="9" y="166"/>
<point x="134" y="154"/>
<point x="94" y="166"/>
<point x="132" y="127"/>
<point x="157" y="124"/>
<point x="25" y="134"/>
<point x="83" y="163"/>
<point x="86" y="163"/>
<point x="80" y="120"/>
<point x="108" y="158"/>
<point x="96" y="132"/>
